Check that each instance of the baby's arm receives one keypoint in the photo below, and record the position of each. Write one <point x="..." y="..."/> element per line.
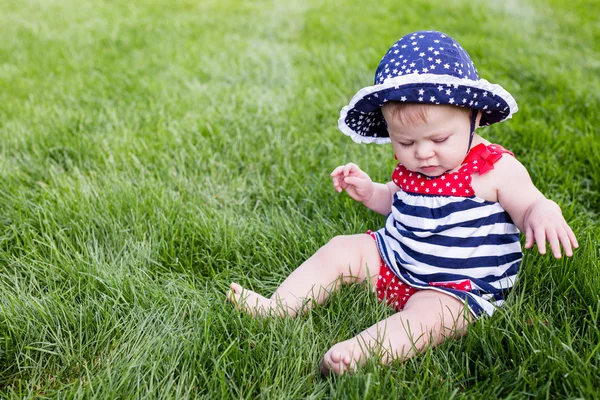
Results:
<point x="539" y="218"/>
<point x="375" y="196"/>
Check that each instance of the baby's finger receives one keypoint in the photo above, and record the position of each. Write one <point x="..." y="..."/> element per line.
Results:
<point x="350" y="167"/>
<point x="337" y="170"/>
<point x="336" y="184"/>
<point x="566" y="242"/>
<point x="352" y="180"/>
<point x="529" y="239"/>
<point x="572" y="237"/>
<point x="341" y="184"/>
<point x="540" y="239"/>
<point x="554" y="243"/>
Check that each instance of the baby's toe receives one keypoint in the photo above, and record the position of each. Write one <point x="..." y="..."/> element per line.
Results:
<point x="336" y="356"/>
<point x="324" y="368"/>
<point x="232" y="297"/>
<point x="234" y="294"/>
<point x="330" y="363"/>
<point x="237" y="289"/>
<point x="333" y="362"/>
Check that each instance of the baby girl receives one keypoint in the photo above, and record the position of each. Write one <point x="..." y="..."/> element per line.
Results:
<point x="450" y="251"/>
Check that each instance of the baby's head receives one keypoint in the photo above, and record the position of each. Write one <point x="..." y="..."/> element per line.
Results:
<point x="433" y="72"/>
<point x="429" y="139"/>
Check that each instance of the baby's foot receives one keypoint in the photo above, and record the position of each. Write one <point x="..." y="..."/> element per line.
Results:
<point x="344" y="357"/>
<point x="250" y="302"/>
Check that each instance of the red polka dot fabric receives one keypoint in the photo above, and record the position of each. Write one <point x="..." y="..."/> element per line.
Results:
<point x="396" y="293"/>
<point x="392" y="289"/>
<point x="481" y="159"/>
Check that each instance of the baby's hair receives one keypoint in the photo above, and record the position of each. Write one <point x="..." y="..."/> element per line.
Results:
<point x="412" y="113"/>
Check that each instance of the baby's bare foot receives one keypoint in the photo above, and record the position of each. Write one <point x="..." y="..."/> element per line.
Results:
<point x="344" y="357"/>
<point x="250" y="302"/>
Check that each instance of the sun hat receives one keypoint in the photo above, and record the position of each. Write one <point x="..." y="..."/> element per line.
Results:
<point x="427" y="67"/>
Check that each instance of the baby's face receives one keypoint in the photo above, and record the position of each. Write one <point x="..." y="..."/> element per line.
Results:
<point x="433" y="147"/>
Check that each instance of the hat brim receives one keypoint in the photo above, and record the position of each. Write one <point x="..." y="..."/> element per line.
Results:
<point x="363" y="122"/>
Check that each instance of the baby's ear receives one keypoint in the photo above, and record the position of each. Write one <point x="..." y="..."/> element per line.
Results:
<point x="478" y="119"/>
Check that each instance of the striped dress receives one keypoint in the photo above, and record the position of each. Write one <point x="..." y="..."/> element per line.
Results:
<point x="440" y="236"/>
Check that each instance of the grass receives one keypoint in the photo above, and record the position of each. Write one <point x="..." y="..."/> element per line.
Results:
<point x="153" y="152"/>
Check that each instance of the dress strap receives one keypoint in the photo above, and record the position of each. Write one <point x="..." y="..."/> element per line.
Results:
<point x="482" y="158"/>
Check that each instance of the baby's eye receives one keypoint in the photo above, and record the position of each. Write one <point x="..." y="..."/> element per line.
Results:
<point x="406" y="144"/>
<point x="440" y="140"/>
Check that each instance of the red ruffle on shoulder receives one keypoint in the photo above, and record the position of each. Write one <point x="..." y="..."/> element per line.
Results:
<point x="482" y="158"/>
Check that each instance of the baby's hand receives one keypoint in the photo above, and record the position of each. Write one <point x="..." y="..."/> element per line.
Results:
<point x="544" y="221"/>
<point x="354" y="181"/>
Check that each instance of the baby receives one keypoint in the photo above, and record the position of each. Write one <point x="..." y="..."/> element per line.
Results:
<point x="450" y="249"/>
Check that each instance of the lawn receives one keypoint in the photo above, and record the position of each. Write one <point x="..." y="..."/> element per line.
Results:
<point x="152" y="152"/>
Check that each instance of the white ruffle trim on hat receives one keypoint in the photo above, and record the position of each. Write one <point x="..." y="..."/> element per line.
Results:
<point x="400" y="81"/>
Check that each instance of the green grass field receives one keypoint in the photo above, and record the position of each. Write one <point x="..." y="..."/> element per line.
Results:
<point x="151" y="153"/>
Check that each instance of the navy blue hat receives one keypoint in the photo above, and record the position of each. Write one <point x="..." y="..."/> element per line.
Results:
<point x="427" y="67"/>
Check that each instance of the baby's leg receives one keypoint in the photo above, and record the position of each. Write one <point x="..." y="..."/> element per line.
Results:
<point x="344" y="259"/>
<point x="428" y="318"/>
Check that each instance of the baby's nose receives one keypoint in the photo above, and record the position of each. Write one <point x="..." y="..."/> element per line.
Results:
<point x="424" y="151"/>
